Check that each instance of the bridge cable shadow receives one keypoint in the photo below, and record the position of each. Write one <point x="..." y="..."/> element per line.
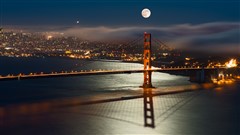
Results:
<point x="122" y="109"/>
<point x="181" y="100"/>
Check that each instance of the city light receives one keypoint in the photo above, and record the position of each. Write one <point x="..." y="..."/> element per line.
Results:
<point x="49" y="37"/>
<point x="231" y="63"/>
<point x="187" y="58"/>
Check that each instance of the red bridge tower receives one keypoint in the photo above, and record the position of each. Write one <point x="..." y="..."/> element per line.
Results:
<point x="147" y="61"/>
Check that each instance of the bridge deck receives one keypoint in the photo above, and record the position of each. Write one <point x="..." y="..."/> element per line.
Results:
<point x="92" y="72"/>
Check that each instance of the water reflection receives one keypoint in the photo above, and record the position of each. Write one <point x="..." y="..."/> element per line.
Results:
<point x="137" y="110"/>
<point x="148" y="108"/>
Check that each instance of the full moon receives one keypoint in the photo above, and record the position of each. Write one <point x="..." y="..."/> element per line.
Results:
<point x="146" y="13"/>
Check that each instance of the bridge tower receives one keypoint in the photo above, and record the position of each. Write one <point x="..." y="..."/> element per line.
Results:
<point x="147" y="84"/>
<point x="147" y="61"/>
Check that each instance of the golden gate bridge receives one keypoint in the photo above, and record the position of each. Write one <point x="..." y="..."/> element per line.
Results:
<point x="197" y="74"/>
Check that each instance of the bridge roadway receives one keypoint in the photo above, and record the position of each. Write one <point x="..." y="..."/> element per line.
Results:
<point x="93" y="72"/>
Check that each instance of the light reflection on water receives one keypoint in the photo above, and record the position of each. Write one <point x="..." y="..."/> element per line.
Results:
<point x="122" y="117"/>
<point x="84" y="87"/>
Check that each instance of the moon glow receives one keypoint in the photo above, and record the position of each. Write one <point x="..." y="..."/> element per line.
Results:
<point x="146" y="13"/>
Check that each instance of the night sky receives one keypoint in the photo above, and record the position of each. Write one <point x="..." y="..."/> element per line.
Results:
<point x="195" y="24"/>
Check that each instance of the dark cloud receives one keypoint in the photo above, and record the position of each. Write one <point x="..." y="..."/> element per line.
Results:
<point x="202" y="29"/>
<point x="174" y="31"/>
<point x="213" y="37"/>
<point x="216" y="36"/>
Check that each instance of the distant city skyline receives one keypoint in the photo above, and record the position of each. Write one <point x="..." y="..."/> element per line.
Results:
<point x="212" y="25"/>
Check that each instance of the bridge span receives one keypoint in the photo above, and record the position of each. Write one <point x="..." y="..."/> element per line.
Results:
<point x="97" y="72"/>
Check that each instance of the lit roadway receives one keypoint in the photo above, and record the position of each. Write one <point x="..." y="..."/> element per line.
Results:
<point x="95" y="72"/>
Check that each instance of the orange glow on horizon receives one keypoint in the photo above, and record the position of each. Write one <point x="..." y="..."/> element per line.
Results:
<point x="231" y="63"/>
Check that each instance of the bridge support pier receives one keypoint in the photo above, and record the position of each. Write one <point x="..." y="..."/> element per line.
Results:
<point x="202" y="76"/>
